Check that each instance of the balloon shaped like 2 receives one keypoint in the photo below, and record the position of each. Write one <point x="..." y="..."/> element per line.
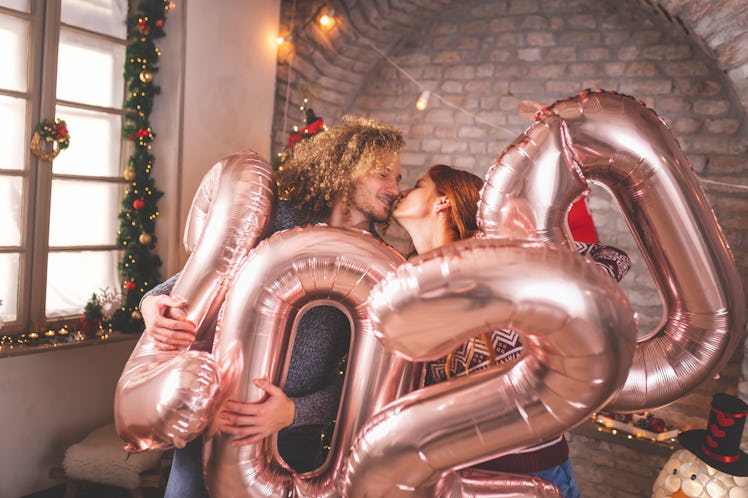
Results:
<point x="164" y="398"/>
<point x="284" y="276"/>
<point x="616" y="141"/>
<point x="578" y="332"/>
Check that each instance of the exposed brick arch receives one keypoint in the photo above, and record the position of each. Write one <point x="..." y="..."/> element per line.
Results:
<point x="486" y="56"/>
<point x="344" y="52"/>
<point x="720" y="27"/>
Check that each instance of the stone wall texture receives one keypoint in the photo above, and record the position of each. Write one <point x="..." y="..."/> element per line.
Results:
<point x="687" y="60"/>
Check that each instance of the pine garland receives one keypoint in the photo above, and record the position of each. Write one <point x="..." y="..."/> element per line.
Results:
<point x="139" y="267"/>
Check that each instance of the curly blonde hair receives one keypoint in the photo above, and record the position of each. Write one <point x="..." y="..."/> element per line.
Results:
<point x="324" y="168"/>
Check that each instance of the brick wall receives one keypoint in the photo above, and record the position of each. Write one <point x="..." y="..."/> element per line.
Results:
<point x="484" y="58"/>
<point x="487" y="57"/>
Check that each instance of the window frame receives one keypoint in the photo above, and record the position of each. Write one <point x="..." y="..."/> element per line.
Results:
<point x="45" y="26"/>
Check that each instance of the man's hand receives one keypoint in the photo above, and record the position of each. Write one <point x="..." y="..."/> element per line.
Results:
<point x="165" y="321"/>
<point x="251" y="422"/>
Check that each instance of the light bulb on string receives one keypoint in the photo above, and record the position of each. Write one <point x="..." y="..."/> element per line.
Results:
<point x="282" y="39"/>
<point x="423" y="100"/>
<point x="327" y="20"/>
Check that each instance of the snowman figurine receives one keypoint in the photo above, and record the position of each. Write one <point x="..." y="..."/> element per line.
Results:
<point x="711" y="465"/>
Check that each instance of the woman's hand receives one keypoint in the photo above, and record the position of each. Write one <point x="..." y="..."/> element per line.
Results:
<point x="252" y="422"/>
<point x="166" y="322"/>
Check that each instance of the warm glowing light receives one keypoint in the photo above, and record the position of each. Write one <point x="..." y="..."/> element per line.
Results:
<point x="423" y="100"/>
<point x="327" y="20"/>
<point x="282" y="39"/>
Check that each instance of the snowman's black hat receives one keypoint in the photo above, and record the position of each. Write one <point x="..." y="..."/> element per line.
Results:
<point x="719" y="445"/>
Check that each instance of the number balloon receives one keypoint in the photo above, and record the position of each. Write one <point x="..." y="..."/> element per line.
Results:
<point x="617" y="141"/>
<point x="285" y="275"/>
<point x="474" y="483"/>
<point x="164" y="398"/>
<point x="578" y="333"/>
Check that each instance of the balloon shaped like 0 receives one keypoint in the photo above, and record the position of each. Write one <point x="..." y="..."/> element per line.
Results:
<point x="617" y="141"/>
<point x="578" y="332"/>
<point x="164" y="398"/>
<point x="285" y="275"/>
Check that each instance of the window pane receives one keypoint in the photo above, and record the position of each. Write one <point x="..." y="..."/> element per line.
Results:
<point x="83" y="213"/>
<point x="14" y="40"/>
<point x="16" y="4"/>
<point x="73" y="276"/>
<point x="103" y="16"/>
<point x="10" y="211"/>
<point x="9" y="286"/>
<point x="94" y="143"/>
<point x="12" y="137"/>
<point x="89" y="70"/>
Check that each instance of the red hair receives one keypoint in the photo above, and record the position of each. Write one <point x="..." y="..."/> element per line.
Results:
<point x="462" y="188"/>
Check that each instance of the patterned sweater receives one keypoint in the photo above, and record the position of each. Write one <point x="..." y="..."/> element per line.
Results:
<point x="504" y="345"/>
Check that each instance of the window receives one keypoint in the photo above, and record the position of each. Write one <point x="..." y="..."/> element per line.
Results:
<point x="61" y="59"/>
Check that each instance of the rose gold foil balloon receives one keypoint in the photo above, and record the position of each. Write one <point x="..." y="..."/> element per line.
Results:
<point x="577" y="329"/>
<point x="198" y="214"/>
<point x="618" y="142"/>
<point x="241" y="204"/>
<point x="164" y="398"/>
<point x="474" y="483"/>
<point x="285" y="275"/>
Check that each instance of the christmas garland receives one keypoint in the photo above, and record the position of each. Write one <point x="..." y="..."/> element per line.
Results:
<point x="139" y="267"/>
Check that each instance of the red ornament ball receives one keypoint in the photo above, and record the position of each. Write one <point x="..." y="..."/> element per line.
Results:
<point x="130" y="285"/>
<point x="138" y="204"/>
<point x="159" y="23"/>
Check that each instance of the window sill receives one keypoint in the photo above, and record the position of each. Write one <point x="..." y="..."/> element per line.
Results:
<point x="13" y="351"/>
<point x="595" y="431"/>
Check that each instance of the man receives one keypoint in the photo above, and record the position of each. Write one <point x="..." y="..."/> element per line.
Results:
<point x="347" y="177"/>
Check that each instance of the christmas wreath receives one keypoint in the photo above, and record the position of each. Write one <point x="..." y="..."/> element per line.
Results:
<point x="52" y="132"/>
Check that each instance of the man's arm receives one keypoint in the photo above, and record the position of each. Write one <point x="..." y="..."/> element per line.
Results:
<point x="313" y="383"/>
<point x="251" y="422"/>
<point x="164" y="319"/>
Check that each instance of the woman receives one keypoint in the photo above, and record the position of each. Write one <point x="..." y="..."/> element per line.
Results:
<point x="440" y="209"/>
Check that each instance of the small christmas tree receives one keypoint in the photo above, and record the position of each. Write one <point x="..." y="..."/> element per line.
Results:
<point x="313" y="124"/>
<point x="92" y="316"/>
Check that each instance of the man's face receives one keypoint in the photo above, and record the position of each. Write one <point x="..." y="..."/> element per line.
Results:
<point x="374" y="193"/>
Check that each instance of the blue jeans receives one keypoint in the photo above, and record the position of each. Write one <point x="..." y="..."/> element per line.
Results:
<point x="186" y="475"/>
<point x="300" y="449"/>
<point x="562" y="476"/>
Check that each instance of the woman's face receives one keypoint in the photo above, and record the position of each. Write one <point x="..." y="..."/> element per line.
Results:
<point x="417" y="203"/>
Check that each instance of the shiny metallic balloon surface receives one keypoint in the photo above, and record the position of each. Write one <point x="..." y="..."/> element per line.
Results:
<point x="618" y="142"/>
<point x="165" y="398"/>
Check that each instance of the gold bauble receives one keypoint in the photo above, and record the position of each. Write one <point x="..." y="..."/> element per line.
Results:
<point x="145" y="238"/>
<point x="146" y="76"/>
<point x="136" y="315"/>
<point x="129" y="174"/>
